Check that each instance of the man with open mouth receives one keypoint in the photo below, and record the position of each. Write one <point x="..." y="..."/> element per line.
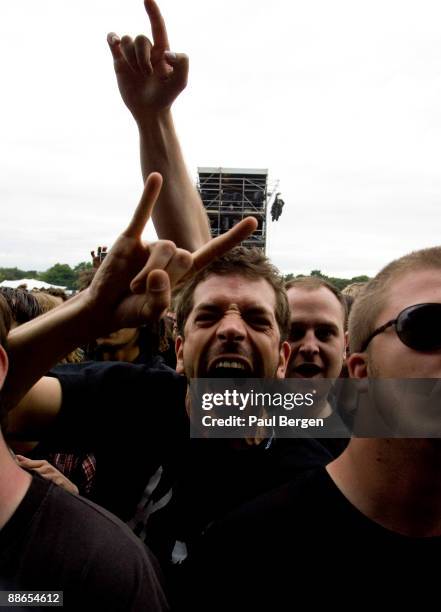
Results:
<point x="370" y="521"/>
<point x="317" y="337"/>
<point x="317" y="334"/>
<point x="232" y="320"/>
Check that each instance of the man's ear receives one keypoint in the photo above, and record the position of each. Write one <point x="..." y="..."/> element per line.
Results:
<point x="357" y="365"/>
<point x="3" y="366"/>
<point x="179" y="350"/>
<point x="285" y="351"/>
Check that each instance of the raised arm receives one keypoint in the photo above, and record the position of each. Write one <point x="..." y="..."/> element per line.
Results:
<point x="150" y="77"/>
<point x="130" y="288"/>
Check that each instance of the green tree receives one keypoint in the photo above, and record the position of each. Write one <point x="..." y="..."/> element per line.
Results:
<point x="339" y="283"/>
<point x="16" y="274"/>
<point x="360" y="279"/>
<point x="80" y="271"/>
<point x="83" y="265"/>
<point x="317" y="273"/>
<point x="60" y="274"/>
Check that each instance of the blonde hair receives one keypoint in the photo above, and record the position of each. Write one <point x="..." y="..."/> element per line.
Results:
<point x="353" y="289"/>
<point x="372" y="298"/>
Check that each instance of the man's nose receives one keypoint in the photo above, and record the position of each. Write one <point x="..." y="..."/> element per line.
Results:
<point x="231" y="328"/>
<point x="309" y="344"/>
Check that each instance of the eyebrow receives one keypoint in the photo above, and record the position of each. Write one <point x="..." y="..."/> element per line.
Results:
<point x="252" y="309"/>
<point x="208" y="306"/>
<point x="258" y="310"/>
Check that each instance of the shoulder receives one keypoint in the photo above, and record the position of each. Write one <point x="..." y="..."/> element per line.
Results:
<point x="119" y="377"/>
<point x="94" y="552"/>
<point x="120" y="369"/>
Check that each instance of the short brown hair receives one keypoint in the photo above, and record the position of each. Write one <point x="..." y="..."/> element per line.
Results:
<point x="249" y="263"/>
<point x="46" y="301"/>
<point x="372" y="298"/>
<point x="312" y="283"/>
<point x="22" y="304"/>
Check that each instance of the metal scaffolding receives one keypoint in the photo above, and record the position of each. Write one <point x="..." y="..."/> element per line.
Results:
<point x="230" y="194"/>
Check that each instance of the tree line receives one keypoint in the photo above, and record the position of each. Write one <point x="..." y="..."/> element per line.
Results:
<point x="58" y="274"/>
<point x="64" y="275"/>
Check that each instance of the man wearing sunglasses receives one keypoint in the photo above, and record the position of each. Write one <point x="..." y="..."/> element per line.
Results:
<point x="370" y="521"/>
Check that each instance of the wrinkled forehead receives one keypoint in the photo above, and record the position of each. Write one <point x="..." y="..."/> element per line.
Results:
<point x="414" y="287"/>
<point x="315" y="306"/>
<point x="223" y="290"/>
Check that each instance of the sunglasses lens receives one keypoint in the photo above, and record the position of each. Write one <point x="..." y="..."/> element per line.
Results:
<point x="419" y="327"/>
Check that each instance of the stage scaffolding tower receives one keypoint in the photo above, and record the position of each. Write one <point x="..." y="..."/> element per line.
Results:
<point x="230" y="194"/>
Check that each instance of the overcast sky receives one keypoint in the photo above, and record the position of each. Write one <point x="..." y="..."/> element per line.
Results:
<point x="340" y="100"/>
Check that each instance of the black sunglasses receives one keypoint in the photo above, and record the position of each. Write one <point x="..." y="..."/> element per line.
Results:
<point x="418" y="327"/>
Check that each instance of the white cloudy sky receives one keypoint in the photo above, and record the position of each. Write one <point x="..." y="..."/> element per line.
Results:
<point x="340" y="99"/>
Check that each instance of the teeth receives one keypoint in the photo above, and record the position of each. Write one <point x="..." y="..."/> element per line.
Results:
<point x="230" y="364"/>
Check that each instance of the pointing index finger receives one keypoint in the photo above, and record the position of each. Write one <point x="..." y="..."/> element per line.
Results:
<point x="144" y="209"/>
<point x="157" y="23"/>
<point x="223" y="243"/>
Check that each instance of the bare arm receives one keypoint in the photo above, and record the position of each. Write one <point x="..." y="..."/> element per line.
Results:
<point x="108" y="304"/>
<point x="150" y="78"/>
<point x="131" y="287"/>
<point x="35" y="412"/>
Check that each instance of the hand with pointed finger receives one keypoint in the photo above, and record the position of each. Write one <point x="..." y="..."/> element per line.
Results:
<point x="149" y="75"/>
<point x="200" y="258"/>
<point x="110" y="300"/>
<point x="133" y="284"/>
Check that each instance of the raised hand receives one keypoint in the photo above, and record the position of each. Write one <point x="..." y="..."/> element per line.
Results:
<point x="134" y="282"/>
<point x="98" y="258"/>
<point x="200" y="258"/>
<point x="131" y="287"/>
<point x="149" y="76"/>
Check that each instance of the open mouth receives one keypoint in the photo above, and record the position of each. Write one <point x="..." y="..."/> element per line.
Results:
<point x="230" y="368"/>
<point x="308" y="370"/>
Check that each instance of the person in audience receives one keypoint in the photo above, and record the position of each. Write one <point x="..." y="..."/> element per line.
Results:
<point x="349" y="294"/>
<point x="373" y="515"/>
<point x="144" y="344"/>
<point x="318" y="318"/>
<point x="353" y="289"/>
<point x="130" y="416"/>
<point x="22" y="304"/>
<point x="317" y="336"/>
<point x="150" y="77"/>
<point x="51" y="540"/>
<point x="231" y="316"/>
<point x="47" y="300"/>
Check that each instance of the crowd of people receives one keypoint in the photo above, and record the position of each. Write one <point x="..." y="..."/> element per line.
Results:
<point x="103" y="493"/>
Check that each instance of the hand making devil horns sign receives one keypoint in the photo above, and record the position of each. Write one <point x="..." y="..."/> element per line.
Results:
<point x="133" y="284"/>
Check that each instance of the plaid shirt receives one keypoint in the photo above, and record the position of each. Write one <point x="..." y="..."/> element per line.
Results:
<point x="80" y="470"/>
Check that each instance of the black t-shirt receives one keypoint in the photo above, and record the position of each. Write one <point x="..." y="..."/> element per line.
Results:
<point x="130" y="416"/>
<point x="60" y="542"/>
<point x="166" y="486"/>
<point x="305" y="542"/>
